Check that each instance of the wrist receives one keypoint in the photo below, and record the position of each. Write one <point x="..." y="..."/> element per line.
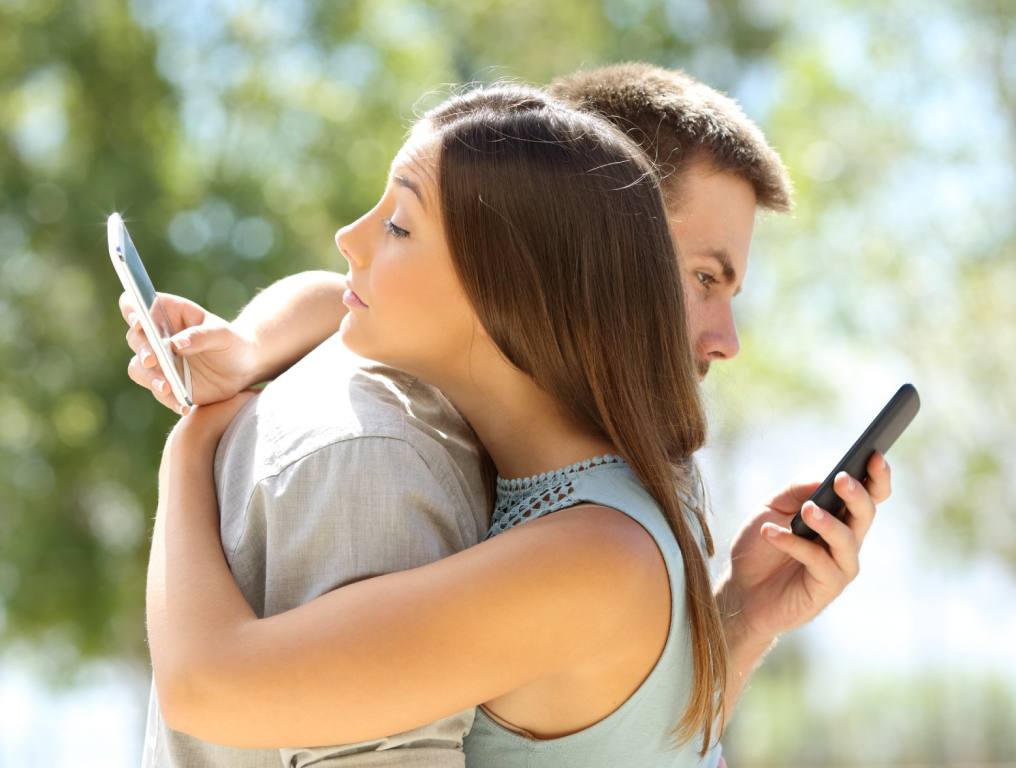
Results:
<point x="191" y="437"/>
<point x="745" y="643"/>
<point x="253" y="360"/>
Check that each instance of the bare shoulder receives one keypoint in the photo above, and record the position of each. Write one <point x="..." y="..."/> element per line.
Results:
<point x="601" y="533"/>
<point x="607" y="564"/>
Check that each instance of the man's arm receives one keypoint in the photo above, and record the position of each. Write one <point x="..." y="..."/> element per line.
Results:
<point x="745" y="652"/>
<point x="278" y="327"/>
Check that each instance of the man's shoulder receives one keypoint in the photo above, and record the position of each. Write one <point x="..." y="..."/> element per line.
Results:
<point x="332" y="397"/>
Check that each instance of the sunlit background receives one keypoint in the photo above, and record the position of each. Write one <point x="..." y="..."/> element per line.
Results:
<point x="237" y="135"/>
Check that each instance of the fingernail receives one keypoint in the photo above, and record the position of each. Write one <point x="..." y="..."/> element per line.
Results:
<point x="851" y="484"/>
<point x="158" y="384"/>
<point x="132" y="319"/>
<point x="183" y="341"/>
<point x="773" y="533"/>
<point x="817" y="513"/>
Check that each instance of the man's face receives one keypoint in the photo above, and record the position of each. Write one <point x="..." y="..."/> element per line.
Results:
<point x="711" y="221"/>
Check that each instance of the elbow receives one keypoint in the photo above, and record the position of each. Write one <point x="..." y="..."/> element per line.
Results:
<point x="186" y="703"/>
<point x="178" y="699"/>
<point x="205" y="696"/>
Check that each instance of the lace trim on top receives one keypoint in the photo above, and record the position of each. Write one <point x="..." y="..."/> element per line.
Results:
<point x="526" y="498"/>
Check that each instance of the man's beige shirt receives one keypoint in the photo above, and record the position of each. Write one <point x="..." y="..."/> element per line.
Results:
<point x="341" y="469"/>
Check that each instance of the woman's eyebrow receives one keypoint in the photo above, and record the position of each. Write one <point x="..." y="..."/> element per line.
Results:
<point x="412" y="186"/>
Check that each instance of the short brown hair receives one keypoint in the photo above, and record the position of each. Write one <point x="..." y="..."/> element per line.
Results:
<point x="676" y="119"/>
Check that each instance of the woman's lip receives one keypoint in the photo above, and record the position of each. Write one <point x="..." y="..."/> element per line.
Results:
<point x="350" y="299"/>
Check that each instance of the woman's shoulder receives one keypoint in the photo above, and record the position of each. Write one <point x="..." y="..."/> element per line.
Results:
<point x="597" y="532"/>
<point x="602" y="561"/>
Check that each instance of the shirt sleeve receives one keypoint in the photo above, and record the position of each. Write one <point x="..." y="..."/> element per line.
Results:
<point x="354" y="509"/>
<point x="351" y="510"/>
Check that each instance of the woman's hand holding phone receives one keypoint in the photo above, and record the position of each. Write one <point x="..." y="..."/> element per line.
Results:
<point x="222" y="359"/>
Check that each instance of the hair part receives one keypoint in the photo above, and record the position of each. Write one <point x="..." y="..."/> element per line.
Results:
<point x="558" y="232"/>
<point x="677" y="120"/>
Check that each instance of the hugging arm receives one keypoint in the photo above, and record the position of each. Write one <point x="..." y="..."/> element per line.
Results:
<point x="278" y="327"/>
<point x="778" y="581"/>
<point x="381" y="655"/>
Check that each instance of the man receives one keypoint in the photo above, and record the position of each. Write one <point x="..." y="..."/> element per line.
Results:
<point x="310" y="477"/>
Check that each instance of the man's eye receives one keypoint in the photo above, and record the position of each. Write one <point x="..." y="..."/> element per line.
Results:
<point x="394" y="230"/>
<point x="705" y="278"/>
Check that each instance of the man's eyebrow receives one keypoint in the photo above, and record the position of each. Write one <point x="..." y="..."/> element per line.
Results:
<point x="723" y="258"/>
<point x="412" y="186"/>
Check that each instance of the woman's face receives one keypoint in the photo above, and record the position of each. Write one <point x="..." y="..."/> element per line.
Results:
<point x="406" y="306"/>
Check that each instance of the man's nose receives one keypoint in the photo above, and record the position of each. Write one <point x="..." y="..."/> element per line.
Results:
<point x="720" y="342"/>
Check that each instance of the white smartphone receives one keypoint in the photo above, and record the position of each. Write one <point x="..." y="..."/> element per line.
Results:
<point x="154" y="321"/>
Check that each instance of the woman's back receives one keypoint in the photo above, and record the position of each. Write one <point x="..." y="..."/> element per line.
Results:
<point x="638" y="732"/>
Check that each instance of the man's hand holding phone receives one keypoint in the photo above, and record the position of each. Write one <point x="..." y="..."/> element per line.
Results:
<point x="222" y="358"/>
<point x="778" y="581"/>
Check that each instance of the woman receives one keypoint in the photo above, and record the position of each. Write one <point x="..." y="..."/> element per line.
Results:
<point x="520" y="261"/>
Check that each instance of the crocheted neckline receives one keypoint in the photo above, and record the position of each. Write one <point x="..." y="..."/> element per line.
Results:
<point x="514" y="485"/>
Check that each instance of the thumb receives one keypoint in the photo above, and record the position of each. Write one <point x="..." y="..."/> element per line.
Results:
<point x="202" y="338"/>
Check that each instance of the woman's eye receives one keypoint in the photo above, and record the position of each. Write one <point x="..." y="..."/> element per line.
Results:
<point x="394" y="230"/>
<point x="705" y="278"/>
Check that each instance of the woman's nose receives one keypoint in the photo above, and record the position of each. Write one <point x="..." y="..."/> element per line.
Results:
<point x="345" y="243"/>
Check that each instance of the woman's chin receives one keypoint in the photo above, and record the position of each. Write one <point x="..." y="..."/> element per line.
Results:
<point x="352" y="337"/>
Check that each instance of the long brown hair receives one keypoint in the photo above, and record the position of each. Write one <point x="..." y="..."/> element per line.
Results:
<point x="558" y="233"/>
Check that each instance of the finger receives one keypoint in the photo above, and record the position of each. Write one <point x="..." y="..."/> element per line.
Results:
<point x="182" y="313"/>
<point x="135" y="338"/>
<point x="811" y="554"/>
<point x="153" y="382"/>
<point x="126" y="304"/>
<point x="789" y="501"/>
<point x="840" y="538"/>
<point x="202" y="338"/>
<point x="148" y="358"/>
<point x="136" y="335"/>
<point x="164" y="394"/>
<point x="137" y="374"/>
<point x="138" y="343"/>
<point x="860" y="506"/>
<point x="879" y="481"/>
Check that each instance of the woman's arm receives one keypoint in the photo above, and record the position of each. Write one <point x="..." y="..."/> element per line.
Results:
<point x="278" y="327"/>
<point x="385" y="654"/>
<point x="291" y="317"/>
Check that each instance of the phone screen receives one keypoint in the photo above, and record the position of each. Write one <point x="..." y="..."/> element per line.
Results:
<point x="151" y="299"/>
<point x="154" y="319"/>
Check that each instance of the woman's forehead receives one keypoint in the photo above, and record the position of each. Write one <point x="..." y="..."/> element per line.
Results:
<point x="418" y="156"/>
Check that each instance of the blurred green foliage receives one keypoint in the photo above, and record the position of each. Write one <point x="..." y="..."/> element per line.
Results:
<point x="939" y="719"/>
<point x="236" y="136"/>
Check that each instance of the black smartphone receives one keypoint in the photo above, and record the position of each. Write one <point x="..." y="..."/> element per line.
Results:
<point x="879" y="436"/>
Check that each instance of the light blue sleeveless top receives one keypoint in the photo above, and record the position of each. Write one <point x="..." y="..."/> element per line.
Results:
<point x="636" y="733"/>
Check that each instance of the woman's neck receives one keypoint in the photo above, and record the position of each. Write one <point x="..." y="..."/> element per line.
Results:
<point x="523" y="428"/>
